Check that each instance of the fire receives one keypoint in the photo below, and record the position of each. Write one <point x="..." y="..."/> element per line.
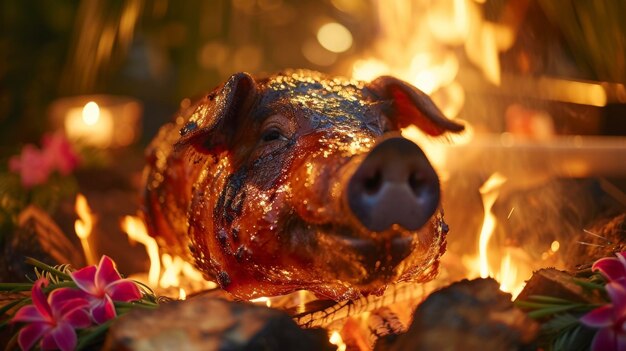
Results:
<point x="508" y="275"/>
<point x="137" y="232"/>
<point x="166" y="271"/>
<point x="84" y="226"/>
<point x="335" y="339"/>
<point x="489" y="192"/>
<point x="263" y="300"/>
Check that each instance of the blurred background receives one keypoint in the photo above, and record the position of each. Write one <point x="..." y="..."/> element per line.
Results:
<point x="161" y="51"/>
<point x="540" y="83"/>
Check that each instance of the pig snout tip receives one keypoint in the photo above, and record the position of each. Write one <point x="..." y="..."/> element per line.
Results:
<point x="395" y="184"/>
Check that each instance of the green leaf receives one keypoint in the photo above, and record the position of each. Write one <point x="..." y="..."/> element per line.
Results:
<point x="548" y="311"/>
<point x="90" y="336"/>
<point x="47" y="268"/>
<point x="10" y="305"/>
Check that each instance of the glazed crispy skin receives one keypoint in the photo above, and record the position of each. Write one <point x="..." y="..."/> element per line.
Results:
<point x="264" y="215"/>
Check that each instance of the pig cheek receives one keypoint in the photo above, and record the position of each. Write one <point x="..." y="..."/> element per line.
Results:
<point x="422" y="265"/>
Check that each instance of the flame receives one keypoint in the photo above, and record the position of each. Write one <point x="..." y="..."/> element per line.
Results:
<point x="509" y="273"/>
<point x="263" y="300"/>
<point x="137" y="232"/>
<point x="84" y="226"/>
<point x="166" y="271"/>
<point x="335" y="339"/>
<point x="91" y="113"/>
<point x="489" y="192"/>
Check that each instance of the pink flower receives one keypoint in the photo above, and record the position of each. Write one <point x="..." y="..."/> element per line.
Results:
<point x="53" y="320"/>
<point x="33" y="166"/>
<point x="610" y="319"/>
<point x="612" y="268"/>
<point x="59" y="153"/>
<point x="103" y="284"/>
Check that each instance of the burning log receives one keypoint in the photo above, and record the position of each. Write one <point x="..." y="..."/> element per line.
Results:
<point x="556" y="283"/>
<point x="205" y="323"/>
<point x="37" y="236"/>
<point x="469" y="315"/>
<point x="601" y="240"/>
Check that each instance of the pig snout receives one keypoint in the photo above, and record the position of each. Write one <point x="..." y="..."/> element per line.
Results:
<point x="395" y="184"/>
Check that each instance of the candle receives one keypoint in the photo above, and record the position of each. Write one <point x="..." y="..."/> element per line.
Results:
<point x="100" y="121"/>
<point x="90" y="125"/>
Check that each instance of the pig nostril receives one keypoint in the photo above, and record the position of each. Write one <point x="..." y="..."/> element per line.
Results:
<point x="373" y="183"/>
<point x="416" y="182"/>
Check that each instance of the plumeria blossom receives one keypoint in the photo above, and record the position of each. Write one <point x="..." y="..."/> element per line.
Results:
<point x="53" y="320"/>
<point x="612" y="268"/>
<point x="32" y="165"/>
<point x="60" y="153"/>
<point x="35" y="166"/>
<point x="103" y="285"/>
<point x="610" y="320"/>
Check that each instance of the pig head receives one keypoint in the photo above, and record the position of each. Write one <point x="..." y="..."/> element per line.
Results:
<point x="300" y="181"/>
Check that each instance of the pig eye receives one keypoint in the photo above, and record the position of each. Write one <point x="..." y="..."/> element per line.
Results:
<point x="272" y="134"/>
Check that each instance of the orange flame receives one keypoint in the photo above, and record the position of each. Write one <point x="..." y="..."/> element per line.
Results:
<point x="136" y="231"/>
<point x="335" y="339"/>
<point x="508" y="274"/>
<point x="166" y="271"/>
<point x="84" y="226"/>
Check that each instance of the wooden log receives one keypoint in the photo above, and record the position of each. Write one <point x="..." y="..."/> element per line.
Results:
<point x="556" y="283"/>
<point x="205" y="323"/>
<point x="469" y="315"/>
<point x="37" y="236"/>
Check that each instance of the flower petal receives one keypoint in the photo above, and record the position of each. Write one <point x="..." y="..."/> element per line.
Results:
<point x="62" y="295"/>
<point x="617" y="293"/>
<point x="78" y="317"/>
<point x="123" y="290"/>
<point x="611" y="267"/>
<point x="29" y="313"/>
<point x="85" y="279"/>
<point x="621" y="342"/>
<point x="599" y="318"/>
<point x="604" y="340"/>
<point x="103" y="311"/>
<point x="64" y="337"/>
<point x="39" y="298"/>
<point x="29" y="335"/>
<point x="106" y="273"/>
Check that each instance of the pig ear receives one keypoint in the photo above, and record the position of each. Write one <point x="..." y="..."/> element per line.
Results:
<point x="410" y="105"/>
<point x="214" y="119"/>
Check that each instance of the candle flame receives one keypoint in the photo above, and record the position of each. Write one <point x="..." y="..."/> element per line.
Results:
<point x="84" y="226"/>
<point x="182" y="295"/>
<point x="91" y="113"/>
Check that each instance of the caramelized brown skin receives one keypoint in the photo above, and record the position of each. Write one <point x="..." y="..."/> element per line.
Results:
<point x="250" y="184"/>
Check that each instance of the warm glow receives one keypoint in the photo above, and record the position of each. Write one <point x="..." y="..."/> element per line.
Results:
<point x="335" y="339"/>
<point x="262" y="300"/>
<point x="166" y="271"/>
<point x="514" y="263"/>
<point x="91" y="113"/>
<point x="84" y="226"/>
<point x="334" y="37"/>
<point x="93" y="125"/>
<point x="555" y="246"/>
<point x="137" y="232"/>
<point x="489" y="192"/>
